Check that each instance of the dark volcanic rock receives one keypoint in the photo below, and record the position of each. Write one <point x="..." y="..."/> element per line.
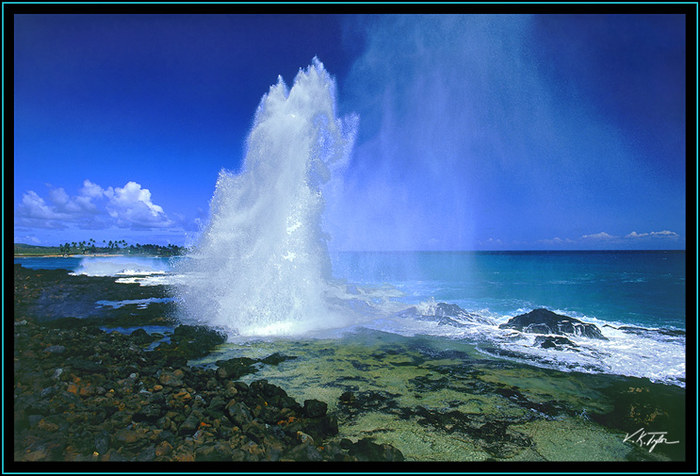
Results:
<point x="553" y="342"/>
<point x="140" y="336"/>
<point x="235" y="368"/>
<point x="543" y="321"/>
<point x="366" y="450"/>
<point x="149" y="413"/>
<point x="239" y="414"/>
<point x="276" y="358"/>
<point x="195" y="341"/>
<point x="314" y="408"/>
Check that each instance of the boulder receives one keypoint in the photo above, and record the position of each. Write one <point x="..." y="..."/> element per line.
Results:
<point x="543" y="321"/>
<point x="235" y="368"/>
<point x="239" y="413"/>
<point x="314" y="408"/>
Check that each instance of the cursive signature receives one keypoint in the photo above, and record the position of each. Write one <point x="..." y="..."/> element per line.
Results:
<point x="648" y="438"/>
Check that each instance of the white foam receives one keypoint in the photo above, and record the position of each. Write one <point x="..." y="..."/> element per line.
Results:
<point x="262" y="266"/>
<point x="121" y="266"/>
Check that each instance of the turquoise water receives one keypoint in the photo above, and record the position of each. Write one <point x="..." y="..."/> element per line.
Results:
<point x="639" y="288"/>
<point x="644" y="288"/>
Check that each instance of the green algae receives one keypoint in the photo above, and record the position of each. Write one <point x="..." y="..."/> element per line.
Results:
<point x="441" y="400"/>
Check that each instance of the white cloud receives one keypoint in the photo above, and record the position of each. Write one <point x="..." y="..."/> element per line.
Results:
<point x="599" y="236"/>
<point x="556" y="241"/>
<point x="664" y="234"/>
<point x="130" y="206"/>
<point x="654" y="234"/>
<point x="33" y="206"/>
<point x="91" y="190"/>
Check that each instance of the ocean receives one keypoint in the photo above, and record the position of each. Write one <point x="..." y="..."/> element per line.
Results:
<point x="636" y="299"/>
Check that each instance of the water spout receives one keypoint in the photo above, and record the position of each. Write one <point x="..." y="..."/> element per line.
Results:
<point x="261" y="266"/>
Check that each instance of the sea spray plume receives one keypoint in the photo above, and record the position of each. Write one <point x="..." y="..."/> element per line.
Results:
<point x="261" y="266"/>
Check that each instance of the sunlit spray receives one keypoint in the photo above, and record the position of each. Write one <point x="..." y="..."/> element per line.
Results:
<point x="261" y="266"/>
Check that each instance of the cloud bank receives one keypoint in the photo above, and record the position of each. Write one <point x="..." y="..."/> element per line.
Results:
<point x="94" y="207"/>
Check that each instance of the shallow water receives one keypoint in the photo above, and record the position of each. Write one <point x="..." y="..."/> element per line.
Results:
<point x="442" y="400"/>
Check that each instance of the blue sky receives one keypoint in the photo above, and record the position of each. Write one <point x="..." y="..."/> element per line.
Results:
<point x="476" y="131"/>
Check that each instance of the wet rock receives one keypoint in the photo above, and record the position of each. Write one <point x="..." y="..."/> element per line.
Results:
<point x="235" y="368"/>
<point x="147" y="454"/>
<point x="273" y="395"/>
<point x="276" y="358"/>
<point x="366" y="450"/>
<point x="304" y="452"/>
<point x="256" y="431"/>
<point x="171" y="379"/>
<point x="216" y="452"/>
<point x="554" y="342"/>
<point x="47" y="392"/>
<point x="239" y="413"/>
<point x="33" y="420"/>
<point x="445" y="314"/>
<point x="131" y="438"/>
<point x="314" y="408"/>
<point x="543" y="321"/>
<point x="320" y="428"/>
<point x="83" y="365"/>
<point x="140" y="336"/>
<point x="347" y="398"/>
<point x="216" y="407"/>
<point x="196" y="341"/>
<point x="149" y="413"/>
<point x="55" y="349"/>
<point x="102" y="442"/>
<point x="164" y="448"/>
<point x="645" y="331"/>
<point x="189" y="426"/>
<point x="304" y="438"/>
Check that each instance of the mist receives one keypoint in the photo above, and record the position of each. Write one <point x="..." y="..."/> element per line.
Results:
<point x="466" y="141"/>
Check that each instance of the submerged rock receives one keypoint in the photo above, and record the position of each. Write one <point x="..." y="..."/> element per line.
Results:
<point x="276" y="358"/>
<point x="543" y="321"/>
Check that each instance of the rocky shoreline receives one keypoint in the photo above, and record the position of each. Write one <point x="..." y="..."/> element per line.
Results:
<point x="130" y="383"/>
<point x="86" y="394"/>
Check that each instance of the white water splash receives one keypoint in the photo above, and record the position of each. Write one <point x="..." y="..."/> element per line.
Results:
<point x="261" y="266"/>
